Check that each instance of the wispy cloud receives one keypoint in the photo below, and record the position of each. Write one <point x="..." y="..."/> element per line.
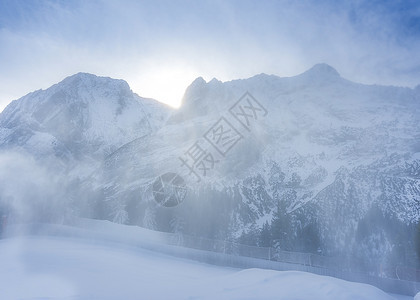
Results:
<point x="159" y="47"/>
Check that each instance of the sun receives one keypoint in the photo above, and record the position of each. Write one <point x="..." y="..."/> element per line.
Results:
<point x="165" y="84"/>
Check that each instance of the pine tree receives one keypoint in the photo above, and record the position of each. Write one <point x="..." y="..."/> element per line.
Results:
<point x="149" y="220"/>
<point x="265" y="239"/>
<point x="275" y="180"/>
<point x="177" y="227"/>
<point x="119" y="214"/>
<point x="309" y="238"/>
<point x="281" y="228"/>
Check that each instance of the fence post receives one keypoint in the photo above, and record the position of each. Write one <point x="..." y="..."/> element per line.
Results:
<point x="396" y="273"/>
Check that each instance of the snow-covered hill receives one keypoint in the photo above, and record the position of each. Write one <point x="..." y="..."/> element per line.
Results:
<point x="63" y="267"/>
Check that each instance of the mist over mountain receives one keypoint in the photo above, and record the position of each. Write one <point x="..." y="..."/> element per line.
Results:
<point x="311" y="163"/>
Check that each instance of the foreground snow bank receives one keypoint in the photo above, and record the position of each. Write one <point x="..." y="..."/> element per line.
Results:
<point x="69" y="268"/>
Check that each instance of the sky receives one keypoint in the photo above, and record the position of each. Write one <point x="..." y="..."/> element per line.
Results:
<point x="160" y="47"/>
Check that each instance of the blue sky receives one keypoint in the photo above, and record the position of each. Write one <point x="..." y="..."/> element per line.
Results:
<point x="160" y="47"/>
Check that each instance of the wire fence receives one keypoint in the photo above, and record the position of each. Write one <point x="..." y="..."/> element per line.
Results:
<point x="403" y="280"/>
<point x="299" y="258"/>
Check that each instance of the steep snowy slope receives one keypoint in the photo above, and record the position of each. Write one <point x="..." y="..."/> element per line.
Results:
<point x="84" y="117"/>
<point x="316" y="124"/>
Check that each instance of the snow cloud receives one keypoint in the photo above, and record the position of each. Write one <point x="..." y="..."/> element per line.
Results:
<point x="29" y="191"/>
<point x="159" y="47"/>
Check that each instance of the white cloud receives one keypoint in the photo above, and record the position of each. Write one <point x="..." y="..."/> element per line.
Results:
<point x="158" y="47"/>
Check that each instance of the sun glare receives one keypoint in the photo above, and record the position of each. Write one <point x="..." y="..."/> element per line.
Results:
<point x="166" y="85"/>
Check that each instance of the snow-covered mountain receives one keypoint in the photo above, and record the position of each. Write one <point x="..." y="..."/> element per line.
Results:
<point x="82" y="118"/>
<point x="331" y="162"/>
<point x="307" y="163"/>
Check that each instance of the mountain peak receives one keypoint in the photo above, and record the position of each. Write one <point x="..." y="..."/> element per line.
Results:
<point x="81" y="77"/>
<point x="322" y="71"/>
<point x="198" y="81"/>
<point x="88" y="81"/>
<point x="194" y="89"/>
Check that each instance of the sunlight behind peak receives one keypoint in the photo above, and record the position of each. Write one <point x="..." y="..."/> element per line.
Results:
<point x="165" y="84"/>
